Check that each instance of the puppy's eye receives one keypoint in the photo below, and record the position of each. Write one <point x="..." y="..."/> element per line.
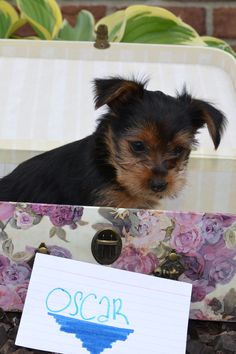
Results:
<point x="138" y="146"/>
<point x="178" y="150"/>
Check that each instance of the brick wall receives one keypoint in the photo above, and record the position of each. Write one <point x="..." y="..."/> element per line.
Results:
<point x="213" y="17"/>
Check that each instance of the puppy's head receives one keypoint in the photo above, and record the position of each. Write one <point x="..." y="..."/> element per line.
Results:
<point x="149" y="135"/>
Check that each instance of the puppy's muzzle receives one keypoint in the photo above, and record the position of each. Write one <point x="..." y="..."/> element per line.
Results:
<point x="158" y="185"/>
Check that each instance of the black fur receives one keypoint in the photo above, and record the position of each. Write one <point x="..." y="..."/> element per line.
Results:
<point x="66" y="175"/>
<point x="78" y="172"/>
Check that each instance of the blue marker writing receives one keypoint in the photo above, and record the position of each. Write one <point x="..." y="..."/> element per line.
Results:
<point x="56" y="293"/>
<point x="86" y="306"/>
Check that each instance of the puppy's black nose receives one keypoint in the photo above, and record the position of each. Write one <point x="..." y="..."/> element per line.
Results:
<point x="157" y="185"/>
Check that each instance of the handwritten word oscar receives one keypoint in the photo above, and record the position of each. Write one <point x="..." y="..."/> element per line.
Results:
<point x="87" y="306"/>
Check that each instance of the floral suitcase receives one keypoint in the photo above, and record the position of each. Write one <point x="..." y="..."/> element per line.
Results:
<point x="192" y="247"/>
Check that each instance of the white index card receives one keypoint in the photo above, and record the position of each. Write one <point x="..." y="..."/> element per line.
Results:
<point x="74" y="307"/>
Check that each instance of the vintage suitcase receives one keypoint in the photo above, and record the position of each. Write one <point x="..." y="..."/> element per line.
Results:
<point x="193" y="239"/>
<point x="194" y="247"/>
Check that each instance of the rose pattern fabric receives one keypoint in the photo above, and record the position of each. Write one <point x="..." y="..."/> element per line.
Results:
<point x="14" y="279"/>
<point x="59" y="215"/>
<point x="23" y="220"/>
<point x="6" y="211"/>
<point x="9" y="299"/>
<point x="222" y="270"/>
<point x="15" y="274"/>
<point x="213" y="225"/>
<point x="4" y="261"/>
<point x="136" y="260"/>
<point x="206" y="244"/>
<point x="188" y="241"/>
<point x="59" y="251"/>
<point x="194" y="263"/>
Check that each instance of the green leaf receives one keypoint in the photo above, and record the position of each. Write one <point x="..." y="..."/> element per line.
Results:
<point x="44" y="16"/>
<point x="21" y="256"/>
<point x="149" y="24"/>
<point x="5" y="21"/>
<point x="83" y="223"/>
<point x="8" y="247"/>
<point x="83" y="30"/>
<point x="155" y="29"/>
<point x="3" y="236"/>
<point x="61" y="234"/>
<point x="37" y="219"/>
<point x="116" y="25"/>
<point x="169" y="231"/>
<point x="13" y="223"/>
<point x="8" y="17"/>
<point x="218" y="43"/>
<point x="107" y="213"/>
<point x="52" y="231"/>
<point x="102" y="225"/>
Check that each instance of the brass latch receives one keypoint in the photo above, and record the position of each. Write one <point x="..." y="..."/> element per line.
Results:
<point x="171" y="268"/>
<point x="106" y="246"/>
<point x="41" y="249"/>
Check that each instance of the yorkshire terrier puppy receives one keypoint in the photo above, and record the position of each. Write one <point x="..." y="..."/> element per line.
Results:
<point x="137" y="155"/>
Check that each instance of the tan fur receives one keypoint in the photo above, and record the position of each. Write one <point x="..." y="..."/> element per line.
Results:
<point x="122" y="92"/>
<point x="135" y="172"/>
<point x="210" y="125"/>
<point x="183" y="138"/>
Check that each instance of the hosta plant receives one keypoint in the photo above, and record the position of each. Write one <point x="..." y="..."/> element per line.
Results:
<point x="149" y="24"/>
<point x="45" y="17"/>
<point x="135" y="24"/>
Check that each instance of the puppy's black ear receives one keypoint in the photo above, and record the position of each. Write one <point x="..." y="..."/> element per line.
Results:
<point x="116" y="91"/>
<point x="201" y="113"/>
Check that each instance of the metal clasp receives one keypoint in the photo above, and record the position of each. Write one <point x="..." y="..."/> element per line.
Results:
<point x="106" y="246"/>
<point x="101" y="41"/>
<point x="41" y="249"/>
<point x="171" y="268"/>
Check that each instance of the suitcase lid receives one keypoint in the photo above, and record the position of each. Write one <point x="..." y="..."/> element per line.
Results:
<point x="55" y="77"/>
